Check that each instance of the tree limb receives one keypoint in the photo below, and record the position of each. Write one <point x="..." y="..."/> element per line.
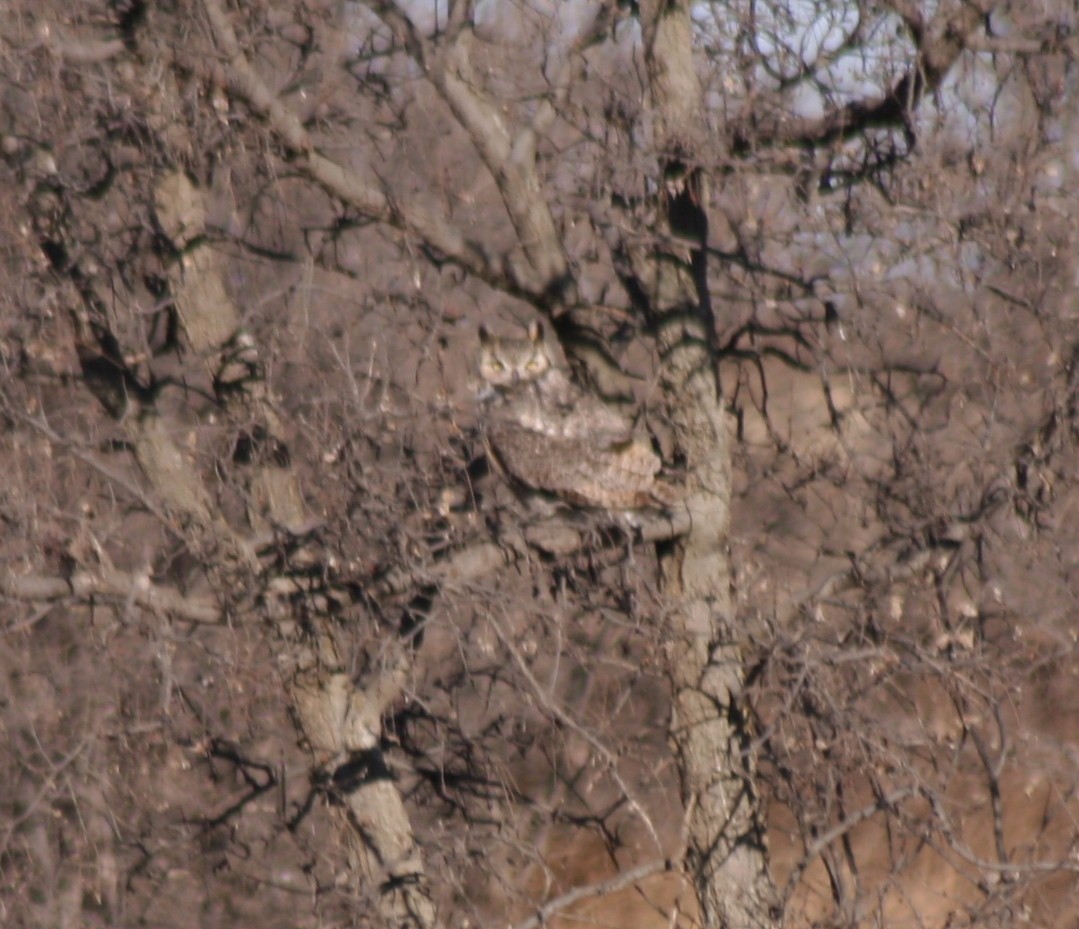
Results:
<point x="510" y="162"/>
<point x="433" y="228"/>
<point x="111" y="586"/>
<point x="556" y="537"/>
<point x="601" y="889"/>
<point x="940" y="43"/>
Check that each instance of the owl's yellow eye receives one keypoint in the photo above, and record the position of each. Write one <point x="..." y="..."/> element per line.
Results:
<point x="497" y="366"/>
<point x="534" y="365"/>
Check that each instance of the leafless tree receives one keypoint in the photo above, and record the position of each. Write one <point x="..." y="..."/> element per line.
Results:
<point x="281" y="647"/>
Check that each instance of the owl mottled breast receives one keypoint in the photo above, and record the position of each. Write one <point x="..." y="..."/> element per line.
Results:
<point x="550" y="435"/>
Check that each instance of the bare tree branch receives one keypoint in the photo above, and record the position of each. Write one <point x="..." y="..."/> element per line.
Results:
<point x="431" y="227"/>
<point x="843" y="828"/>
<point x="940" y="43"/>
<point x="601" y="889"/>
<point x="556" y="537"/>
<point x="119" y="480"/>
<point x="77" y="49"/>
<point x="450" y="72"/>
<point x="111" y="586"/>
<point x="590" y="737"/>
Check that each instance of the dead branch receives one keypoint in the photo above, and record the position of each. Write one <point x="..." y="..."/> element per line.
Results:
<point x="78" y="49"/>
<point x="843" y="828"/>
<point x="600" y="889"/>
<point x="450" y="72"/>
<point x="571" y="724"/>
<point x="119" y="480"/>
<point x="939" y="44"/>
<point x="111" y="586"/>
<point x="563" y="536"/>
<point x="430" y="226"/>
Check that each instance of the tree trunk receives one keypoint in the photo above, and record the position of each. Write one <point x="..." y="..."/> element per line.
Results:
<point x="726" y="853"/>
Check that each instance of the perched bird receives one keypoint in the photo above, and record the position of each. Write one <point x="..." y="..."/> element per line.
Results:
<point x="550" y="435"/>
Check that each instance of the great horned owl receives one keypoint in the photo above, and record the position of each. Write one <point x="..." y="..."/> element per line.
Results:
<point x="552" y="436"/>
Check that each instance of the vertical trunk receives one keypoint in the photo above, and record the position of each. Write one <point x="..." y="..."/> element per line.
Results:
<point x="726" y="854"/>
<point x="340" y="719"/>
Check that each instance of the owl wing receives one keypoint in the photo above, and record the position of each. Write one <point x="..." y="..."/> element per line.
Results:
<point x="611" y="472"/>
<point x="593" y="421"/>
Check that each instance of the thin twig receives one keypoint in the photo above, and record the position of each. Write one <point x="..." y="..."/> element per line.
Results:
<point x="601" y="889"/>
<point x="570" y="723"/>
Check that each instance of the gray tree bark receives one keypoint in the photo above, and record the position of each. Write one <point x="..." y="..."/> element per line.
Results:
<point x="726" y="854"/>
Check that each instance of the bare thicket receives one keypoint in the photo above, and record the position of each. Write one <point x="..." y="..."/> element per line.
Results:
<point x="280" y="646"/>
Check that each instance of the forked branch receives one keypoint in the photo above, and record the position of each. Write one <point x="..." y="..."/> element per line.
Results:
<point x="430" y="226"/>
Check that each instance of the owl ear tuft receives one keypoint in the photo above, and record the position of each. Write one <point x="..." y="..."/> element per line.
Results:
<point x="535" y="331"/>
